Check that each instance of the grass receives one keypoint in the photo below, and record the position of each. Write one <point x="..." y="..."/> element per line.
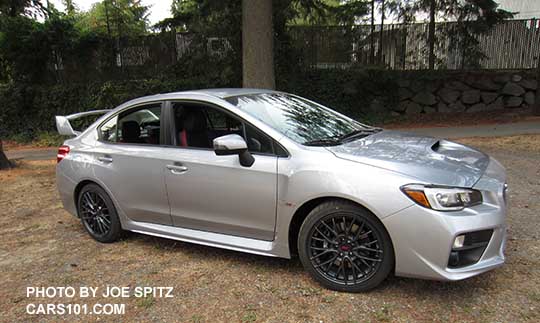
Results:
<point x="41" y="139"/>
<point x="146" y="302"/>
<point x="383" y="314"/>
<point x="249" y="316"/>
<point x="534" y="297"/>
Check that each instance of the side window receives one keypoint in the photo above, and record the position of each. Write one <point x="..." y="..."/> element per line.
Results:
<point x="198" y="125"/>
<point x="222" y="123"/>
<point x="136" y="126"/>
<point x="258" y="142"/>
<point x="108" y="130"/>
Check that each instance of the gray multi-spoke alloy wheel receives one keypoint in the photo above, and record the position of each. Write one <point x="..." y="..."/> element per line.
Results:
<point x="98" y="214"/>
<point x="344" y="247"/>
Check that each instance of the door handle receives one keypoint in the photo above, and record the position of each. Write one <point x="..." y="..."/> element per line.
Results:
<point x="105" y="160"/>
<point x="177" y="169"/>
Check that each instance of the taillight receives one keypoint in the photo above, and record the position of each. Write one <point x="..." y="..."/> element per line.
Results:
<point x="62" y="153"/>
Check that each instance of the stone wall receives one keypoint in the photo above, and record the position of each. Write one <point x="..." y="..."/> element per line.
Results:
<point x="476" y="91"/>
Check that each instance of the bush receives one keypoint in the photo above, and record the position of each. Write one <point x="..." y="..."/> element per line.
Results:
<point x="27" y="111"/>
<point x="49" y="139"/>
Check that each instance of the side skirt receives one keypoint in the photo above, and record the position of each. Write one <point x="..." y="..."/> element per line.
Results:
<point x="254" y="246"/>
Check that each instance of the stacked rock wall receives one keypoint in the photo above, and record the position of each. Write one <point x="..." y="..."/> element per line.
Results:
<point x="466" y="91"/>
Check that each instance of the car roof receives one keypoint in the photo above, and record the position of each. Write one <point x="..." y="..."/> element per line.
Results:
<point x="222" y="93"/>
<point x="228" y="92"/>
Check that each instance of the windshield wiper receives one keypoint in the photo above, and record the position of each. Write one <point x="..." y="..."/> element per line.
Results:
<point x="322" y="142"/>
<point x="334" y="141"/>
<point x="355" y="134"/>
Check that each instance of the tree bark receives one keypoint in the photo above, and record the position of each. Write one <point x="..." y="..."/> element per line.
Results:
<point x="431" y="35"/>
<point x="257" y="44"/>
<point x="381" y="33"/>
<point x="536" y="109"/>
<point x="4" y="162"/>
<point x="372" y="37"/>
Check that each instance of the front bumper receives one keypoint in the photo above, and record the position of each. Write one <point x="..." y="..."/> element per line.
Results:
<point x="423" y="238"/>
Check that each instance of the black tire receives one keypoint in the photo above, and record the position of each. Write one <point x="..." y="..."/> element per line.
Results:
<point x="345" y="247"/>
<point x="98" y="214"/>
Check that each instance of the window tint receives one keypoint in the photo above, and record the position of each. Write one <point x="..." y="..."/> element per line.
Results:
<point x="138" y="126"/>
<point x="197" y="126"/>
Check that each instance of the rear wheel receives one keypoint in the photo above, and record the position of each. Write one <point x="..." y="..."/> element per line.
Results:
<point x="344" y="247"/>
<point x="98" y="214"/>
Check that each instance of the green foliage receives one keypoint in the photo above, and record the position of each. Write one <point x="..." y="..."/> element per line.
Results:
<point x="24" y="48"/>
<point x="35" y="56"/>
<point x="48" y="139"/>
<point x="29" y="49"/>
<point x="115" y="18"/>
<point x="14" y="8"/>
<point x="28" y="111"/>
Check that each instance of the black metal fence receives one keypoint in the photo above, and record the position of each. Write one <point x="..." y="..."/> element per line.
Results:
<point x="514" y="44"/>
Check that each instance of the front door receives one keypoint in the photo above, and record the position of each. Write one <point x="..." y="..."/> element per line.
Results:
<point x="215" y="193"/>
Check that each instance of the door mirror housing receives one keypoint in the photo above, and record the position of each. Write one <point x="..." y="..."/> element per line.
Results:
<point x="234" y="145"/>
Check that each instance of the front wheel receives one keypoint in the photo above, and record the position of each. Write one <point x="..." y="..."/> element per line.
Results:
<point x="98" y="214"/>
<point x="344" y="247"/>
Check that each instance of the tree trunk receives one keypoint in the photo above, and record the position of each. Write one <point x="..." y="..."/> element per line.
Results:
<point x="372" y="37"/>
<point x="257" y="44"/>
<point x="536" y="109"/>
<point x="431" y="35"/>
<point x="4" y="162"/>
<point x="381" y="33"/>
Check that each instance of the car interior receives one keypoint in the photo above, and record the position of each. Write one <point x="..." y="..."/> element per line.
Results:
<point x="141" y="126"/>
<point x="197" y="126"/>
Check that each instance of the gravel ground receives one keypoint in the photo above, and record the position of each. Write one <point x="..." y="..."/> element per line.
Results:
<point x="42" y="245"/>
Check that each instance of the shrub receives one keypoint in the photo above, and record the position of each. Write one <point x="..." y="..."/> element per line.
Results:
<point x="27" y="111"/>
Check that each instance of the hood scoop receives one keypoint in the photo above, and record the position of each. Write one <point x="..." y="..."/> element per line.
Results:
<point x="436" y="146"/>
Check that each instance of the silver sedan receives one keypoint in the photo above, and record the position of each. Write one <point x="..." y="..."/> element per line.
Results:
<point x="274" y="174"/>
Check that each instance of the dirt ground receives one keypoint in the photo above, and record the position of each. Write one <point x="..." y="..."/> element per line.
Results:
<point x="42" y="245"/>
<point x="461" y="119"/>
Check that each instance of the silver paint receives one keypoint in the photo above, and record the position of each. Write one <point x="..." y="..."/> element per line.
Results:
<point x="196" y="196"/>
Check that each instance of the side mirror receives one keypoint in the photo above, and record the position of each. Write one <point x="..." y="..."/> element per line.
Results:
<point x="234" y="145"/>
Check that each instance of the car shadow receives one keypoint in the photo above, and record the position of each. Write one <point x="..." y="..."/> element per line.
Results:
<point x="406" y="287"/>
<point x="207" y="252"/>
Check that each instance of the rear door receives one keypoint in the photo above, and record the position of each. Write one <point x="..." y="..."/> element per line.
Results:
<point x="215" y="193"/>
<point x="131" y="160"/>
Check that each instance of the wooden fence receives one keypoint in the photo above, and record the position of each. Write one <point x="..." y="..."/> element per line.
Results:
<point x="513" y="44"/>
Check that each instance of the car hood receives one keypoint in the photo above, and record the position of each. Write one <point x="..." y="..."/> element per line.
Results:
<point x="432" y="160"/>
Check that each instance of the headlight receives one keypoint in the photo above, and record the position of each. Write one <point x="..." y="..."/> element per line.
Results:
<point x="442" y="198"/>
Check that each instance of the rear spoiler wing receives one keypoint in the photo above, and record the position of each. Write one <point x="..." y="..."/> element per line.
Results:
<point x="63" y="123"/>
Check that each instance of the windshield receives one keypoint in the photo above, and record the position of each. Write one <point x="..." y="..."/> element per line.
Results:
<point x="299" y="119"/>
